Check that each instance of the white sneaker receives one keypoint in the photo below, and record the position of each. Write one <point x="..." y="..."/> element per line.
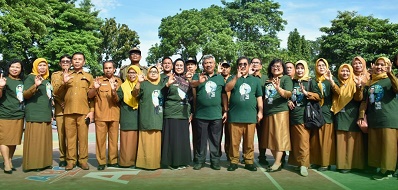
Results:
<point x="303" y="171"/>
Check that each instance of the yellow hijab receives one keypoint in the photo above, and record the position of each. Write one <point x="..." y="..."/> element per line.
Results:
<point x="306" y="76"/>
<point x="319" y="77"/>
<point x="128" y="86"/>
<point x="347" y="90"/>
<point x="365" y="74"/>
<point x="35" y="70"/>
<point x="155" y="82"/>
<point x="377" y="77"/>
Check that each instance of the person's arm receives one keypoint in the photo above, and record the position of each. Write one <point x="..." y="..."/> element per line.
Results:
<point x="259" y="109"/>
<point x="231" y="84"/>
<point x="225" y="107"/>
<point x="34" y="85"/>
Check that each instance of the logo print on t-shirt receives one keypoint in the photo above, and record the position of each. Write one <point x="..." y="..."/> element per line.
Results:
<point x="49" y="90"/>
<point x="297" y="96"/>
<point x="270" y="92"/>
<point x="244" y="91"/>
<point x="376" y="93"/>
<point x="19" y="92"/>
<point x="210" y="88"/>
<point x="157" y="101"/>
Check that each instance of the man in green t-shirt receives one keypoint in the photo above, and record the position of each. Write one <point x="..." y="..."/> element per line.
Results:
<point x="246" y="97"/>
<point x="209" y="116"/>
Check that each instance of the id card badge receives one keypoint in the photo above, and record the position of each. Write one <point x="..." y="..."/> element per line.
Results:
<point x="378" y="105"/>
<point x="270" y="100"/>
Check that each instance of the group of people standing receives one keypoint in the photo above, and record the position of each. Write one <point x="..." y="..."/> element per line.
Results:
<point x="154" y="107"/>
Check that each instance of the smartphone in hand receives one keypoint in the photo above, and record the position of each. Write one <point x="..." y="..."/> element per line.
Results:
<point x="87" y="121"/>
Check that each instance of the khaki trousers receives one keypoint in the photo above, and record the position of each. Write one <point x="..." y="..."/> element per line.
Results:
<point x="61" y="137"/>
<point x="76" y="136"/>
<point x="237" y="131"/>
<point x="102" y="129"/>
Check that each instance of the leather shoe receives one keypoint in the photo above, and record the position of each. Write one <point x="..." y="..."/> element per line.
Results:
<point x="215" y="166"/>
<point x="69" y="167"/>
<point x="250" y="167"/>
<point x="13" y="169"/>
<point x="198" y="166"/>
<point x="323" y="168"/>
<point x="62" y="163"/>
<point x="8" y="171"/>
<point x="84" y="166"/>
<point x="232" y="167"/>
<point x="263" y="161"/>
<point x="270" y="169"/>
<point x="113" y="165"/>
<point x="101" y="167"/>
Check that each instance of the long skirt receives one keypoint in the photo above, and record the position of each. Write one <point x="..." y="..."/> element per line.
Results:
<point x="276" y="135"/>
<point x="128" y="148"/>
<point x="149" y="149"/>
<point x="300" y="139"/>
<point x="323" y="146"/>
<point x="382" y="150"/>
<point x="350" y="150"/>
<point x="37" y="146"/>
<point x="176" y="148"/>
<point x="11" y="131"/>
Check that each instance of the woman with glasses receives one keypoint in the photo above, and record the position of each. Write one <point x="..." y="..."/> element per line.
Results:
<point x="276" y="135"/>
<point x="11" y="112"/>
<point x="128" y="119"/>
<point x="322" y="143"/>
<point x="38" y="145"/>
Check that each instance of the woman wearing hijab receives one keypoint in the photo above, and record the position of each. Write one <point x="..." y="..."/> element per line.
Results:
<point x="361" y="74"/>
<point x="150" y="119"/>
<point x="322" y="142"/>
<point x="176" y="148"/>
<point x="278" y="89"/>
<point x="37" y="146"/>
<point x="11" y="112"/>
<point x="349" y="139"/>
<point x="128" y="119"/>
<point x="304" y="90"/>
<point x="382" y="118"/>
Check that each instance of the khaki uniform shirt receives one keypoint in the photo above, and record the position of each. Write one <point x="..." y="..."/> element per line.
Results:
<point x="106" y="106"/>
<point x="56" y="81"/>
<point x="75" y="90"/>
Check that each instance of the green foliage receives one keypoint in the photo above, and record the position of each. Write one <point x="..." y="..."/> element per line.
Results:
<point x="117" y="40"/>
<point x="352" y="34"/>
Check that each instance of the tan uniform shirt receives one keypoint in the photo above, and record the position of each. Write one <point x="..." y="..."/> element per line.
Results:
<point x="56" y="81"/>
<point x="75" y="90"/>
<point x="105" y="102"/>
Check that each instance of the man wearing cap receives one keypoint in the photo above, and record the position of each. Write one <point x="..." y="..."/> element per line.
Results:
<point x="256" y="66"/>
<point x="107" y="113"/>
<point x="135" y="58"/>
<point x="210" y="94"/>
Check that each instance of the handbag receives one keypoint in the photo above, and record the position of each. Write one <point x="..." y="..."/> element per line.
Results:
<point x="313" y="116"/>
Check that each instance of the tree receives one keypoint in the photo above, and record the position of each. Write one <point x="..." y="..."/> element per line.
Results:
<point x="352" y="34"/>
<point x="117" y="40"/>
<point x="255" y="24"/>
<point x="192" y="32"/>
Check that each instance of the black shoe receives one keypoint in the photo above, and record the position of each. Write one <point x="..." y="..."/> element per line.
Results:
<point x="274" y="170"/>
<point x="101" y="167"/>
<point x="215" y="166"/>
<point x="13" y="169"/>
<point x="62" y="164"/>
<point x="263" y="161"/>
<point x="198" y="166"/>
<point x="344" y="171"/>
<point x="8" y="171"/>
<point x="323" y="168"/>
<point x="242" y="161"/>
<point x="250" y="167"/>
<point x="112" y="165"/>
<point x="232" y="167"/>
<point x="381" y="176"/>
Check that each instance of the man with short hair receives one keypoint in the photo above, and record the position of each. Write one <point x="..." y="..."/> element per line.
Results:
<point x="78" y="111"/>
<point x="290" y="69"/>
<point x="59" y="103"/>
<point x="209" y="114"/>
<point x="135" y="58"/>
<point x="107" y="114"/>
<point x="167" y="65"/>
<point x="246" y="97"/>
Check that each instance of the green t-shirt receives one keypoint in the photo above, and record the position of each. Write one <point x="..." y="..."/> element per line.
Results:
<point x="243" y="100"/>
<point x="11" y="103"/>
<point x="273" y="102"/>
<point x="346" y="119"/>
<point x="382" y="105"/>
<point x="327" y="95"/>
<point x="300" y="101"/>
<point x="150" y="106"/>
<point x="38" y="107"/>
<point x="208" y="97"/>
<point x="176" y="104"/>
<point x="128" y="116"/>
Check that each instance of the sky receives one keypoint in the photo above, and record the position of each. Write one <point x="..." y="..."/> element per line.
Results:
<point x="306" y="15"/>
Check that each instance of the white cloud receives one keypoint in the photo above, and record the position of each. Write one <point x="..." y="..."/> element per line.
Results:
<point x="105" y="6"/>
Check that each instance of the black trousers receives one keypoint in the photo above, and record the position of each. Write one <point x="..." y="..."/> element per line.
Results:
<point x="208" y="130"/>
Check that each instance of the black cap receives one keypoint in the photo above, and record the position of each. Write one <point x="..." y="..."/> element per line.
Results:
<point x="226" y="63"/>
<point x="191" y="60"/>
<point x="134" y="49"/>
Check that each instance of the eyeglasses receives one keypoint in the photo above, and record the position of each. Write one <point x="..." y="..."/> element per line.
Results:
<point x="242" y="64"/>
<point x="153" y="72"/>
<point x="276" y="66"/>
<point x="135" y="53"/>
<point x="65" y="61"/>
